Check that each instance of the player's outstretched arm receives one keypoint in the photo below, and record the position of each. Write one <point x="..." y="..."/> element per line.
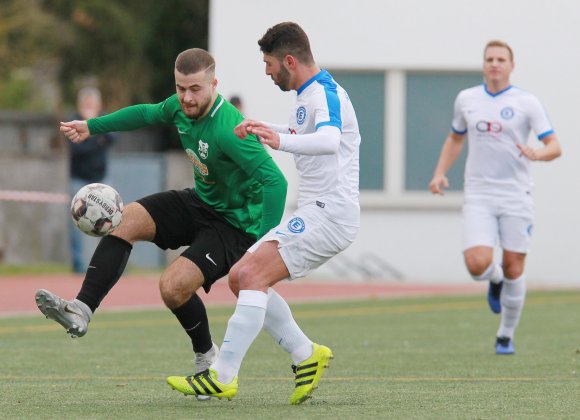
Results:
<point x="76" y="131"/>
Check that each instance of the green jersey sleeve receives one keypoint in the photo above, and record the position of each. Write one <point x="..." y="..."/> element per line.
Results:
<point x="135" y="116"/>
<point x="256" y="162"/>
<point x="274" y="194"/>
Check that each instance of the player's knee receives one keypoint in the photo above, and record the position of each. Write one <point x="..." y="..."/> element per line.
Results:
<point x="248" y="276"/>
<point x="172" y="294"/>
<point x="513" y="271"/>
<point x="166" y="291"/>
<point x="233" y="282"/>
<point x="476" y="264"/>
<point x="513" y="264"/>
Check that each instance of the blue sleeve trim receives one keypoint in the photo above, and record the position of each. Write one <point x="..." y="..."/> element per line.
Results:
<point x="330" y="123"/>
<point x="546" y="134"/>
<point x="457" y="131"/>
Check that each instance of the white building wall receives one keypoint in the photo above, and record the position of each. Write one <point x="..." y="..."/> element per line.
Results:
<point x="424" y="244"/>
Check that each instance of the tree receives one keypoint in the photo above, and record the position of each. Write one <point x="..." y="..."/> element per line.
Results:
<point x="29" y="41"/>
<point x="130" y="46"/>
<point x="126" y="48"/>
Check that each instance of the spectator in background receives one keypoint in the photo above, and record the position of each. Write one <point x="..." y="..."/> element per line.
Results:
<point x="88" y="164"/>
<point x="237" y="102"/>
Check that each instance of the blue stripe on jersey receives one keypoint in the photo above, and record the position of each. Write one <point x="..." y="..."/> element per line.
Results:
<point x="496" y="93"/>
<point x="457" y="131"/>
<point x="333" y="105"/>
<point x="309" y="82"/>
<point x="327" y="82"/>
<point x="545" y="134"/>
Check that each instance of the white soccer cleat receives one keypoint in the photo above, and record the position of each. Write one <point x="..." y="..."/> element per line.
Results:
<point x="68" y="314"/>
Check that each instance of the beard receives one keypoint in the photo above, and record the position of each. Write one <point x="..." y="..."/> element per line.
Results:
<point x="282" y="79"/>
<point x="197" y="111"/>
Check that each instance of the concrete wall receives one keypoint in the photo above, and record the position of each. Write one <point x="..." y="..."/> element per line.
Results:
<point x="33" y="231"/>
<point x="422" y="241"/>
<point x="33" y="158"/>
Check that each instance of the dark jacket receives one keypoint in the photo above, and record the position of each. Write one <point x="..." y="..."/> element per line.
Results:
<point x="88" y="160"/>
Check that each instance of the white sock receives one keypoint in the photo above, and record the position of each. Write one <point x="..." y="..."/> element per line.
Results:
<point x="493" y="273"/>
<point x="280" y="324"/>
<point x="243" y="328"/>
<point x="513" y="295"/>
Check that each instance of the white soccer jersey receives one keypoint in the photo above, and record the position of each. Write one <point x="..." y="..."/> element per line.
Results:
<point x="329" y="180"/>
<point x="494" y="124"/>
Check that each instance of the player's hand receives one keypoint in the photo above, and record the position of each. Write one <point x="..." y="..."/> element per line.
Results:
<point x="265" y="134"/>
<point x="241" y="130"/>
<point x="527" y="151"/>
<point x="438" y="183"/>
<point x="76" y="131"/>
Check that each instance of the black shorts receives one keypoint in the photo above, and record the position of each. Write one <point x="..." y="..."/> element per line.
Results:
<point x="183" y="219"/>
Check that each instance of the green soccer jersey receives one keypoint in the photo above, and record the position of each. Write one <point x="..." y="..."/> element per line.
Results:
<point x="238" y="178"/>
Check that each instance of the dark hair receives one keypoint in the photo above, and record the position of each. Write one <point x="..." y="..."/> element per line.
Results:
<point x="194" y="60"/>
<point x="236" y="100"/>
<point x="287" y="38"/>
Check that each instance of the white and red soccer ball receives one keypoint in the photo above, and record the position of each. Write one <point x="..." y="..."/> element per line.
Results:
<point x="96" y="209"/>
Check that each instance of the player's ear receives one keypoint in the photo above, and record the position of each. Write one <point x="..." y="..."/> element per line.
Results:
<point x="214" y="83"/>
<point x="289" y="61"/>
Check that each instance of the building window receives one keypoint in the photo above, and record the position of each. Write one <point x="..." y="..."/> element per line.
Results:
<point x="367" y="93"/>
<point x="404" y="116"/>
<point x="428" y="114"/>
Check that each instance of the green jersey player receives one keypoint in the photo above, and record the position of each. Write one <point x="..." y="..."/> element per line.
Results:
<point x="239" y="195"/>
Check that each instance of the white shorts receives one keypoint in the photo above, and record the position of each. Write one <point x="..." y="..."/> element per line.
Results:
<point x="308" y="239"/>
<point x="491" y="220"/>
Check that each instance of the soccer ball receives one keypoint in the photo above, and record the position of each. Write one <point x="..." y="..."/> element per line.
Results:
<point x="96" y="209"/>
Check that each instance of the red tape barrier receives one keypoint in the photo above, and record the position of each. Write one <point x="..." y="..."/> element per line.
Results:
<point x="34" y="196"/>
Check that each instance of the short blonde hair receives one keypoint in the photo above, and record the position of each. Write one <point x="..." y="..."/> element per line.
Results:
<point x="502" y="44"/>
<point x="195" y="60"/>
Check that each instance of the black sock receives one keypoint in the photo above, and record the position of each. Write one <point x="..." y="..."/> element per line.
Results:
<point x="106" y="266"/>
<point x="193" y="318"/>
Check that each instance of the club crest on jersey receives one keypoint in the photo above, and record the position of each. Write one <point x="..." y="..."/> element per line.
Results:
<point x="507" y="113"/>
<point x="300" y="115"/>
<point x="296" y="225"/>
<point x="203" y="149"/>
